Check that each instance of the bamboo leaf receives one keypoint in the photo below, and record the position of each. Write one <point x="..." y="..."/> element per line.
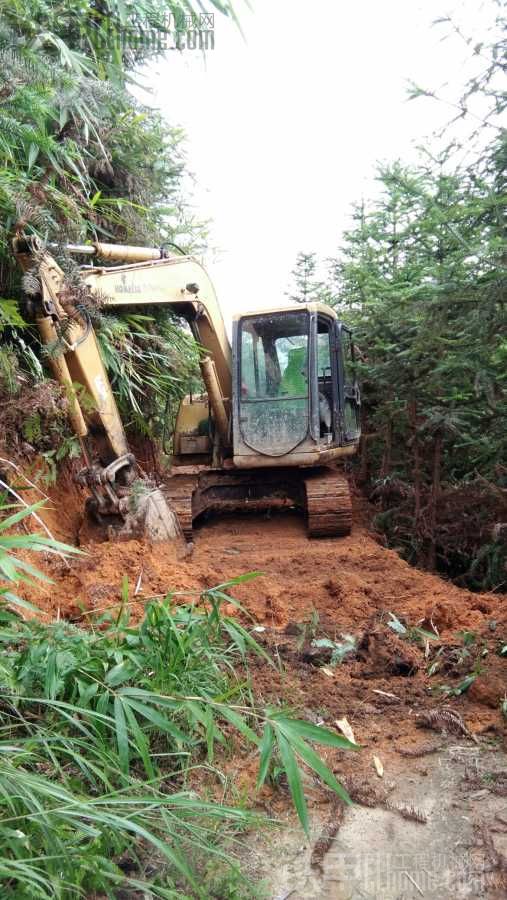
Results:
<point x="238" y="721"/>
<point x="160" y="721"/>
<point x="140" y="742"/>
<point x="312" y="732"/>
<point x="20" y="515"/>
<point x="293" y="774"/>
<point x="313" y="760"/>
<point x="266" y="751"/>
<point x="122" y="739"/>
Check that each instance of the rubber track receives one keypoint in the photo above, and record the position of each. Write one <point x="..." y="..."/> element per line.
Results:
<point x="180" y="499"/>
<point x="329" y="506"/>
<point x="182" y="506"/>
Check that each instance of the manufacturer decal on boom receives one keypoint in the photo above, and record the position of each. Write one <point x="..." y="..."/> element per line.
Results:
<point x="125" y="287"/>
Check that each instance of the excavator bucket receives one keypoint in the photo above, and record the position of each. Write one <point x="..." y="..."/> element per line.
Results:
<point x="124" y="510"/>
<point x="154" y="519"/>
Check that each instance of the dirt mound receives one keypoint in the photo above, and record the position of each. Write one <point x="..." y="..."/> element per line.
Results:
<point x="311" y="590"/>
<point x="343" y="581"/>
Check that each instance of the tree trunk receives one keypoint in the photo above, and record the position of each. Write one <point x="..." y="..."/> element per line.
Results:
<point x="435" y="494"/>
<point x="412" y="416"/>
<point x="364" y="461"/>
<point x="385" y="468"/>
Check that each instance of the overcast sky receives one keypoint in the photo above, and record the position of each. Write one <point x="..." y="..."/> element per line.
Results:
<point x="285" y="125"/>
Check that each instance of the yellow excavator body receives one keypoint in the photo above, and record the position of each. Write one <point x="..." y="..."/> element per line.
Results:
<point x="281" y="406"/>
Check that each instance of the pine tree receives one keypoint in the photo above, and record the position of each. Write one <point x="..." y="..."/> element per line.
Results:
<point x="304" y="287"/>
<point x="420" y="276"/>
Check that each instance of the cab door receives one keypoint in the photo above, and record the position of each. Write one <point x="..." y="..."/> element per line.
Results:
<point x="327" y="381"/>
<point x="274" y="395"/>
<point x="349" y="389"/>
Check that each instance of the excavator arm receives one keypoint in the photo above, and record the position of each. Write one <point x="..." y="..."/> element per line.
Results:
<point x="182" y="284"/>
<point x="150" y="277"/>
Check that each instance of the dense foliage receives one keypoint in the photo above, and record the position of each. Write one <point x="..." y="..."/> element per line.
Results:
<point x="422" y="276"/>
<point x="77" y="151"/>
<point x="81" y="159"/>
<point x="422" y="279"/>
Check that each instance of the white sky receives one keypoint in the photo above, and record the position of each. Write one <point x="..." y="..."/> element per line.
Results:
<point x="285" y="126"/>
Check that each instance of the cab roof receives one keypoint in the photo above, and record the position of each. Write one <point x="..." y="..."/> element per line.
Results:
<point x="321" y="308"/>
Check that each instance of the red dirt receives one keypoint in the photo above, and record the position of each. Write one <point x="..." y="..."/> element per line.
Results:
<point x="347" y="581"/>
<point x="350" y="584"/>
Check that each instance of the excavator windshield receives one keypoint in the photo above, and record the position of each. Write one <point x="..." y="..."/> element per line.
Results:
<point x="274" y="403"/>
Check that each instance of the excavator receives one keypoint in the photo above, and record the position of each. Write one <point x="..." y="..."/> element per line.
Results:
<point x="280" y="415"/>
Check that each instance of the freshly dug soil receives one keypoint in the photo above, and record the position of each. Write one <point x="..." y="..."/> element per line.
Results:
<point x="312" y="589"/>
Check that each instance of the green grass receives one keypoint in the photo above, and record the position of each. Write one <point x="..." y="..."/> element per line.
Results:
<point x="102" y="730"/>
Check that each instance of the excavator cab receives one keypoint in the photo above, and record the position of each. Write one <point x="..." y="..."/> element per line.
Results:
<point x="296" y="399"/>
